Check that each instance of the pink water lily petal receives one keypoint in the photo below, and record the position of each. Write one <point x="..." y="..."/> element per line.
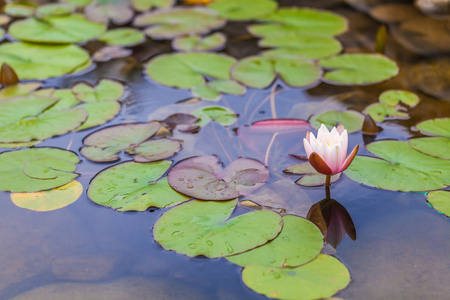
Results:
<point x="319" y="164"/>
<point x="349" y="159"/>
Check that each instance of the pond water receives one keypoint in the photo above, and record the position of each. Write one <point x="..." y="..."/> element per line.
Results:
<point x="88" y="251"/>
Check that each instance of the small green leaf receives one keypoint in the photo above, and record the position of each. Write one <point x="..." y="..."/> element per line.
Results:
<point x="219" y="114"/>
<point x="440" y="201"/>
<point x="199" y="43"/>
<point x="394" y="97"/>
<point x="99" y="113"/>
<point x="352" y="120"/>
<point x="143" y="5"/>
<point x="380" y="111"/>
<point x="105" y="90"/>
<point x="54" y="9"/>
<point x="238" y="10"/>
<point x="123" y="37"/>
<point x="205" y="92"/>
<point x="440" y="127"/>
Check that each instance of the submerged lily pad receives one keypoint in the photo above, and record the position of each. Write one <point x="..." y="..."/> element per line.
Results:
<point x="180" y="21"/>
<point x="310" y="177"/>
<point x="199" y="43"/>
<point x="48" y="168"/>
<point x="123" y="37"/>
<point x="238" y="10"/>
<point x="201" y="228"/>
<point x="321" y="278"/>
<point x="186" y="70"/>
<point x="301" y="20"/>
<point x="400" y="169"/>
<point x="299" y="242"/>
<point x="440" y="127"/>
<point x="105" y="90"/>
<point x="440" y="200"/>
<point x="433" y="146"/>
<point x="222" y="115"/>
<point x="134" y="186"/>
<point x="261" y="71"/>
<point x="37" y="61"/>
<point x="143" y="5"/>
<point x="203" y="177"/>
<point x="352" y="120"/>
<point x="49" y="200"/>
<point x="358" y="69"/>
<point x="58" y="29"/>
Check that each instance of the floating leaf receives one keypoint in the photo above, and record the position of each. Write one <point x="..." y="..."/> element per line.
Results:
<point x="299" y="242"/>
<point x="134" y="186"/>
<point x="186" y="70"/>
<point x="205" y="92"/>
<point x="238" y="10"/>
<point x="380" y="111"/>
<point x="142" y="5"/>
<point x="358" y="69"/>
<point x="100" y="154"/>
<point x="116" y="13"/>
<point x="123" y="37"/>
<point x="155" y="150"/>
<point x="79" y="3"/>
<point x="22" y="9"/>
<point x="440" y="200"/>
<point x="59" y="29"/>
<point x="310" y="176"/>
<point x="212" y="90"/>
<point x="301" y="20"/>
<point x="433" y="146"/>
<point x="201" y="228"/>
<point x="99" y="113"/>
<point x="440" y="127"/>
<point x="105" y="90"/>
<point x="179" y="119"/>
<point x="260" y="71"/>
<point x="66" y="100"/>
<point x="49" y="200"/>
<point x="180" y="21"/>
<point x="203" y="177"/>
<point x="321" y="278"/>
<point x="198" y="43"/>
<point x="50" y="168"/>
<point x="110" y="52"/>
<point x="54" y="9"/>
<point x="352" y="120"/>
<point x="400" y="169"/>
<point x="222" y="115"/>
<point x="37" y="61"/>
<point x="19" y="89"/>
<point x="394" y="97"/>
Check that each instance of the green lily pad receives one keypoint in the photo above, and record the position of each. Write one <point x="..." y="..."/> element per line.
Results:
<point x="380" y="111"/>
<point x="212" y="90"/>
<point x="395" y="97"/>
<point x="238" y="10"/>
<point x="358" y="69"/>
<point x="66" y="100"/>
<point x="143" y="5"/>
<point x="205" y="92"/>
<point x="352" y="120"/>
<point x="20" y="9"/>
<point x="180" y="21"/>
<point x="305" y="45"/>
<point x="54" y="9"/>
<point x="155" y="150"/>
<point x="201" y="228"/>
<point x="56" y="30"/>
<point x="440" y="200"/>
<point x="39" y="161"/>
<point x="105" y="90"/>
<point x="440" y="127"/>
<point x="100" y="154"/>
<point x="19" y="89"/>
<point x="134" y="186"/>
<point x="222" y="115"/>
<point x="433" y="146"/>
<point x="299" y="242"/>
<point x="99" y="113"/>
<point x="400" y="169"/>
<point x="261" y="71"/>
<point x="123" y="37"/>
<point x="198" y="43"/>
<point x="37" y="61"/>
<point x="19" y="145"/>
<point x="49" y="200"/>
<point x="78" y="3"/>
<point x="310" y="177"/>
<point x="186" y="70"/>
<point x="321" y="278"/>
<point x="301" y="20"/>
<point x="116" y="13"/>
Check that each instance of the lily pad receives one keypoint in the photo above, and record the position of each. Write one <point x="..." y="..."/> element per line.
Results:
<point x="116" y="13"/>
<point x="110" y="52"/>
<point x="186" y="70"/>
<point x="54" y="9"/>
<point x="180" y="21"/>
<point x="301" y="20"/>
<point x="99" y="113"/>
<point x="358" y="69"/>
<point x="40" y="162"/>
<point x="123" y="37"/>
<point x="380" y="111"/>
<point x="19" y="89"/>
<point x="105" y="90"/>
<point x="440" y="200"/>
<point x="143" y="5"/>
<point x="440" y="127"/>
<point x="205" y="92"/>
<point x="18" y="10"/>
<point x="261" y="71"/>
<point x="155" y="150"/>
<point x="400" y="169"/>
<point x="49" y="200"/>
<point x="134" y="186"/>
<point x="198" y="43"/>
<point x="66" y="100"/>
<point x="238" y="10"/>
<point x="37" y="61"/>
<point x="352" y="120"/>
<point x="299" y="242"/>
<point x="212" y="90"/>
<point x="395" y="97"/>
<point x="305" y="45"/>
<point x="433" y="146"/>
<point x="78" y="3"/>
<point x="73" y="28"/>
<point x="201" y="228"/>
<point x="321" y="278"/>
<point x="310" y="177"/>
<point x="222" y="115"/>
<point x="203" y="177"/>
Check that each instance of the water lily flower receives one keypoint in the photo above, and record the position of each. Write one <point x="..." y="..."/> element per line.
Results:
<point x="327" y="153"/>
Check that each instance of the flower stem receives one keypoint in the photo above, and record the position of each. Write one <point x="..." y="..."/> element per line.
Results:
<point x="328" y="180"/>
<point x="327" y="192"/>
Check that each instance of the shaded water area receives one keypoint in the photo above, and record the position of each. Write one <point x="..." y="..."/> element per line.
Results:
<point x="87" y="251"/>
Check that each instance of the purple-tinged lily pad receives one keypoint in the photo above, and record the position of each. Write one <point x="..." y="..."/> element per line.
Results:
<point x="154" y="150"/>
<point x="116" y="13"/>
<point x="198" y="43"/>
<point x="203" y="177"/>
<point x="181" y="121"/>
<point x="110" y="52"/>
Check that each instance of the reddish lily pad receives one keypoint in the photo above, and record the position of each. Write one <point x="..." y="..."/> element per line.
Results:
<point x="203" y="177"/>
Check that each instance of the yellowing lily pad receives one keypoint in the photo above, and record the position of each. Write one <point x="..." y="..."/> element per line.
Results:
<point x="440" y="200"/>
<point x="49" y="200"/>
<point x="238" y="10"/>
<point x="201" y="228"/>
